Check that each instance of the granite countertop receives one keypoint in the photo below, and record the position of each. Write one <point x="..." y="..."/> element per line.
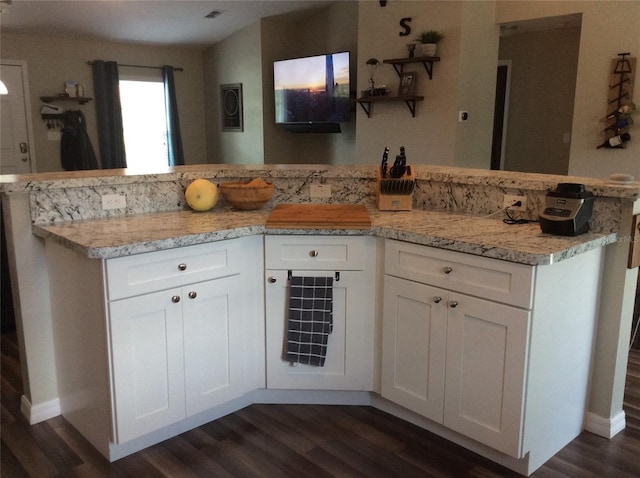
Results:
<point x="483" y="236"/>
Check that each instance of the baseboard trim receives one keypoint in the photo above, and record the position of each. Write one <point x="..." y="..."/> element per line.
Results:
<point x="605" y="427"/>
<point x="39" y="413"/>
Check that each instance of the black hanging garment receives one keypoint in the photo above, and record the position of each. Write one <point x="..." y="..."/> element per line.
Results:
<point x="76" y="150"/>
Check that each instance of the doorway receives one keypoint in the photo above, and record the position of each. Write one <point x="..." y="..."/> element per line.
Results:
<point x="500" y="114"/>
<point x="16" y="136"/>
<point x="542" y="80"/>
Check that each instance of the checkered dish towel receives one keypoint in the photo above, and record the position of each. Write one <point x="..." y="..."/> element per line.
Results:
<point x="310" y="320"/>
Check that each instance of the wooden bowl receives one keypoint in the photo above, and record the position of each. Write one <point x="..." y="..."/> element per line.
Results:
<point x="247" y="195"/>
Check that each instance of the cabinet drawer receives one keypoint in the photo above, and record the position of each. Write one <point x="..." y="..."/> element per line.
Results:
<point x="482" y="277"/>
<point x="314" y="252"/>
<point x="152" y="271"/>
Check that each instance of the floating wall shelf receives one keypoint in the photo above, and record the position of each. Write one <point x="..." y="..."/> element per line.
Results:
<point x="427" y="61"/>
<point x="56" y="116"/>
<point x="78" y="99"/>
<point x="398" y="65"/>
<point x="410" y="101"/>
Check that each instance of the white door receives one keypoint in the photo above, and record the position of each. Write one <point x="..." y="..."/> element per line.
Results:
<point x="347" y="361"/>
<point x="214" y="351"/>
<point x="486" y="368"/>
<point x="147" y="355"/>
<point x="414" y="333"/>
<point x="16" y="155"/>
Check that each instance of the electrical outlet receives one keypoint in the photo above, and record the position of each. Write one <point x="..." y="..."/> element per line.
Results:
<point x="320" y="190"/>
<point x="114" y="201"/>
<point x="510" y="199"/>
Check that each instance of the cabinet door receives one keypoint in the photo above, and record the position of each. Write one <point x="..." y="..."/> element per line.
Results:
<point x="349" y="359"/>
<point x="414" y="328"/>
<point x="487" y="347"/>
<point x="146" y="347"/>
<point x="213" y="345"/>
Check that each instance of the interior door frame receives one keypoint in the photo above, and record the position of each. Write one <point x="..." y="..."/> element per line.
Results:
<point x="505" y="111"/>
<point x="27" y="106"/>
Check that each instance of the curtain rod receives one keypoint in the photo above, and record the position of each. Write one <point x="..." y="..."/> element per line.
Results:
<point x="175" y="68"/>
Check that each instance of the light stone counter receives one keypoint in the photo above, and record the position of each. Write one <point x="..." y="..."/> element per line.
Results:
<point x="489" y="237"/>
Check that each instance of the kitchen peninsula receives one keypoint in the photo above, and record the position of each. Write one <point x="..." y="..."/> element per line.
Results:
<point x="58" y="216"/>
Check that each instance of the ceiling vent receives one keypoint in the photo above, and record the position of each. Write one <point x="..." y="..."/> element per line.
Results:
<point x="213" y="14"/>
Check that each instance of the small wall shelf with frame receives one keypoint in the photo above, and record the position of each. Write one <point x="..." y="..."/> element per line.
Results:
<point x="410" y="101"/>
<point x="427" y="61"/>
<point x="398" y="64"/>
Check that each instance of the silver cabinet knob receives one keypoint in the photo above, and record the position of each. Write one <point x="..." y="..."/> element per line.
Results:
<point x="193" y="294"/>
<point x="182" y="267"/>
<point x="313" y="253"/>
<point x="437" y="299"/>
<point x="271" y="279"/>
<point x="175" y="299"/>
<point x="448" y="270"/>
<point x="453" y="304"/>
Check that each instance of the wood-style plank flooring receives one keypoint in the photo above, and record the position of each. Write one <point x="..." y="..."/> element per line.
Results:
<point x="293" y="441"/>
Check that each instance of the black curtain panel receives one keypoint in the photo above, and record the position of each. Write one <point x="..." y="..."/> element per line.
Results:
<point x="109" y="114"/>
<point x="174" y="139"/>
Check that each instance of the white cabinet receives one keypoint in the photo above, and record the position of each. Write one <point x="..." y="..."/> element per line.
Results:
<point x="349" y="359"/>
<point x="456" y="359"/>
<point x="496" y="351"/>
<point x="487" y="349"/>
<point x="152" y="340"/>
<point x="175" y="353"/>
<point x="414" y="334"/>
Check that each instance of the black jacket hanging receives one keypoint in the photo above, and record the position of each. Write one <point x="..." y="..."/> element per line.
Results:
<point x="76" y="150"/>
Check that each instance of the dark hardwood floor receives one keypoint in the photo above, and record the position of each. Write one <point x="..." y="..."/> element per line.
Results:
<point x="293" y="441"/>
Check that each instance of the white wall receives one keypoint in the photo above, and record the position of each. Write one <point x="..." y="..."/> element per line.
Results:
<point x="608" y="28"/>
<point x="430" y="137"/>
<point x="235" y="60"/>
<point x="476" y="84"/>
<point x="52" y="60"/>
<point x="543" y="74"/>
<point x="247" y="57"/>
<point x="332" y="29"/>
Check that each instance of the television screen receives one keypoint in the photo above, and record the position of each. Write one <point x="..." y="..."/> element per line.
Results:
<point x="312" y="89"/>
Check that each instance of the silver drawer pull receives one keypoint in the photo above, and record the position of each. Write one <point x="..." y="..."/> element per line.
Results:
<point x="272" y="280"/>
<point x="453" y="304"/>
<point x="437" y="299"/>
<point x="182" y="267"/>
<point x="175" y="299"/>
<point x="313" y="253"/>
<point x="193" y="294"/>
<point x="448" y="270"/>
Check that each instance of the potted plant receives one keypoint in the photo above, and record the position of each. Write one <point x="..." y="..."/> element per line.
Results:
<point x="429" y="42"/>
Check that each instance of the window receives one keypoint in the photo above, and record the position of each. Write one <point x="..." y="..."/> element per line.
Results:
<point x="145" y="124"/>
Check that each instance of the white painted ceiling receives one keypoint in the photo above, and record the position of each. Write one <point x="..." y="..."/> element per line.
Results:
<point x="159" y="22"/>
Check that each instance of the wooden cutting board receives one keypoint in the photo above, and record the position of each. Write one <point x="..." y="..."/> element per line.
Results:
<point x="319" y="216"/>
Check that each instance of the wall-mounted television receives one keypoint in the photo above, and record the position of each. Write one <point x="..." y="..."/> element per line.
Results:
<point x="312" y="93"/>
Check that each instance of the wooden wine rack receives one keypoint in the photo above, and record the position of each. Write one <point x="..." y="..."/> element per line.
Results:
<point x="620" y="93"/>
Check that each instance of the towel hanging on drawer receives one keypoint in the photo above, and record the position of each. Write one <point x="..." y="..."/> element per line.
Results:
<point x="310" y="320"/>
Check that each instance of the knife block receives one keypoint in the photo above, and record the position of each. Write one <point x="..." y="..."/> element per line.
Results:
<point x="395" y="194"/>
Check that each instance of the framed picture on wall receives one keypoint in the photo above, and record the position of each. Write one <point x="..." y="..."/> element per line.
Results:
<point x="231" y="107"/>
<point x="407" y="83"/>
